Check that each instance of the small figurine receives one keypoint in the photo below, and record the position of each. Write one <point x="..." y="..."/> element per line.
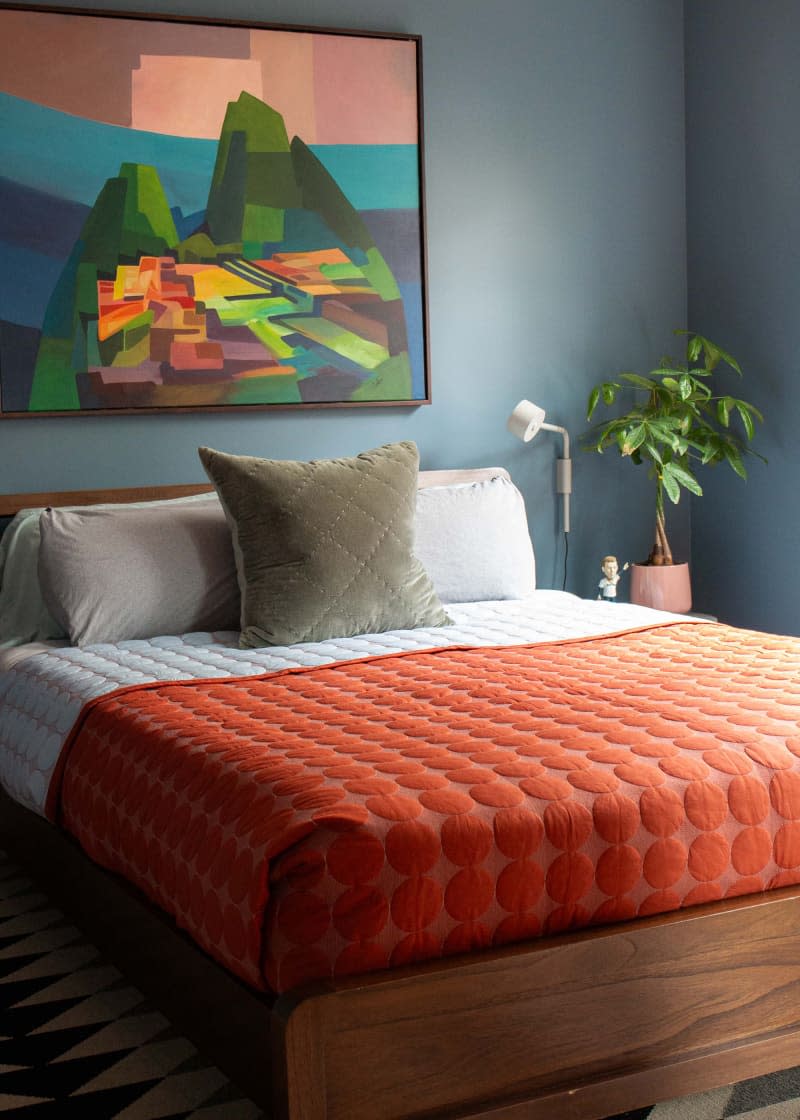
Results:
<point x="611" y="577"/>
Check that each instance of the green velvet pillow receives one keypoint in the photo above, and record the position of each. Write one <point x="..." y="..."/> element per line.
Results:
<point x="325" y="549"/>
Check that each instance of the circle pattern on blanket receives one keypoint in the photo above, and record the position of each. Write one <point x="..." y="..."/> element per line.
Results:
<point x="353" y="817"/>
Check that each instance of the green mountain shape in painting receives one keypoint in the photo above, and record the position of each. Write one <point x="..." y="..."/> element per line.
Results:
<point x="253" y="181"/>
<point x="267" y="196"/>
<point x="131" y="218"/>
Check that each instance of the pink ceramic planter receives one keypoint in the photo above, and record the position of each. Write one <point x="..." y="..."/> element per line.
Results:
<point x="667" y="588"/>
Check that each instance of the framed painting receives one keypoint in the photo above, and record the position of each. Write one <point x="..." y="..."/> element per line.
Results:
<point x="207" y="215"/>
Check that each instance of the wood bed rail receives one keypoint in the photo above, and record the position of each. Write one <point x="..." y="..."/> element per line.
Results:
<point x="12" y="503"/>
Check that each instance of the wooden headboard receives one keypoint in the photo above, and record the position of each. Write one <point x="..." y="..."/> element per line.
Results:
<point x="12" y="503"/>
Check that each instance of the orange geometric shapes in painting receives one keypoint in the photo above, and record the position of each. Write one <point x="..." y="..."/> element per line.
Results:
<point x="751" y="850"/>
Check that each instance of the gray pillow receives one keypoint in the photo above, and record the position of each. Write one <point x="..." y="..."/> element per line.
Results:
<point x="108" y="575"/>
<point x="325" y="549"/>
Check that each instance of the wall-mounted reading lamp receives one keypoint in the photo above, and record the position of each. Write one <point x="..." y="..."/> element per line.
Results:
<point x="524" y="422"/>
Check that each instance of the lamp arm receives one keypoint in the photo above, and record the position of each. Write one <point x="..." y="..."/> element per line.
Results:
<point x="563" y="471"/>
<point x="564" y="435"/>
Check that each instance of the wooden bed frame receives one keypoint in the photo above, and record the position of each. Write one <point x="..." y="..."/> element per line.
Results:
<point x="574" y="1027"/>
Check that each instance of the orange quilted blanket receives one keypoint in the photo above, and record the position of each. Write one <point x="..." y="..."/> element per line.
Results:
<point x="336" y="820"/>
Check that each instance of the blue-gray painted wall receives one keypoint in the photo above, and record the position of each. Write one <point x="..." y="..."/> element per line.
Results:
<point x="743" y="176"/>
<point x="555" y="145"/>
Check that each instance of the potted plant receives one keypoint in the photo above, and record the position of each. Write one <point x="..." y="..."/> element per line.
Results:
<point x="677" y="423"/>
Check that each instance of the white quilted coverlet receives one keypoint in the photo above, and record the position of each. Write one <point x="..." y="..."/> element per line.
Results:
<point x="44" y="687"/>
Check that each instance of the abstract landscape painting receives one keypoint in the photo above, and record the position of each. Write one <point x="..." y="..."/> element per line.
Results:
<point x="198" y="215"/>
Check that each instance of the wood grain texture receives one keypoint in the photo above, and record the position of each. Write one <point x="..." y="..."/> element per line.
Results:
<point x="12" y="503"/>
<point x="592" y="1023"/>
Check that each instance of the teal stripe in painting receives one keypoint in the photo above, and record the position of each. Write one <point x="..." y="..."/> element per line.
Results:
<point x="374" y="177"/>
<point x="72" y="158"/>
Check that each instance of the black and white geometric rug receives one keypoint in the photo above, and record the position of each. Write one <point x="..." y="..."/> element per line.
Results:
<point x="77" y="1042"/>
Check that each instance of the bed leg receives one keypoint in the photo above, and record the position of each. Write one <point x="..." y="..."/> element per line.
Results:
<point x="298" y="1060"/>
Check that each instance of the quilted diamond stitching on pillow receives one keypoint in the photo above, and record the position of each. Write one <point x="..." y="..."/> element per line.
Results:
<point x="325" y="549"/>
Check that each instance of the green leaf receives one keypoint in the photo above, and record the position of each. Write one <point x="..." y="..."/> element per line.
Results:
<point x="726" y="357"/>
<point x="609" y="391"/>
<point x="685" y="478"/>
<point x="671" y="384"/>
<point x="735" y="459"/>
<point x="693" y="346"/>
<point x="639" y="381"/>
<point x="594" y="397"/>
<point x="671" y="486"/>
<point x="652" y="452"/>
<point x="724" y="410"/>
<point x="686" y="387"/>
<point x="634" y="439"/>
<point x="747" y="419"/>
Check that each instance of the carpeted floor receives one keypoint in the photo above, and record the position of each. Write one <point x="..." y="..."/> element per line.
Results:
<point x="77" y="1042"/>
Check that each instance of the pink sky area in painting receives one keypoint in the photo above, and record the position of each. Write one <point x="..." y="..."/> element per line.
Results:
<point x="178" y="78"/>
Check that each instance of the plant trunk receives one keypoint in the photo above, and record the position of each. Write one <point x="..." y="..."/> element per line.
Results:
<point x="661" y="552"/>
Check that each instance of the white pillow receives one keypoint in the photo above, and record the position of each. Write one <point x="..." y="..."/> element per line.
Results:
<point x="110" y="575"/>
<point x="24" y="617"/>
<point x="474" y="542"/>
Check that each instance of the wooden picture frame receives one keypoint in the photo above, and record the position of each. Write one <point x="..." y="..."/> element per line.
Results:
<point x="208" y="215"/>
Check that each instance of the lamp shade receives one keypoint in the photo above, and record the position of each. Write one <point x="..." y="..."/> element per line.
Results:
<point x="526" y="420"/>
